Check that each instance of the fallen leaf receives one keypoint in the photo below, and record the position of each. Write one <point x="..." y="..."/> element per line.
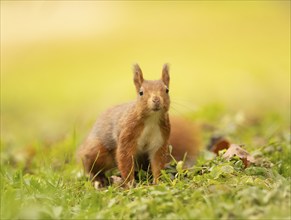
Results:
<point x="236" y="150"/>
<point x="218" y="144"/>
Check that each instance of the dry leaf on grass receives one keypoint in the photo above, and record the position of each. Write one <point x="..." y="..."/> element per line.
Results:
<point x="236" y="150"/>
<point x="218" y="143"/>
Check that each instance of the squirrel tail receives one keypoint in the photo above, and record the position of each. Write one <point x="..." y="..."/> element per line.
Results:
<point x="185" y="139"/>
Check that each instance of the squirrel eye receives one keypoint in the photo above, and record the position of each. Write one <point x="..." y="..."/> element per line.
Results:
<point x="140" y="93"/>
<point x="167" y="90"/>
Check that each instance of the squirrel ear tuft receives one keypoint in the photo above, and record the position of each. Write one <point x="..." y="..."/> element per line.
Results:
<point x="137" y="77"/>
<point x="165" y="75"/>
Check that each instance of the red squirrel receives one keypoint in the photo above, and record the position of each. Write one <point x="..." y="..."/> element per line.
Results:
<point x="130" y="132"/>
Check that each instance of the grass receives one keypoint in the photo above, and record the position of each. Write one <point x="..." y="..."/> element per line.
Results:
<point x="53" y="186"/>
<point x="68" y="61"/>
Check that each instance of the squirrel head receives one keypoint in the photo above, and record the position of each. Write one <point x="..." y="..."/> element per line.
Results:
<point x="152" y="95"/>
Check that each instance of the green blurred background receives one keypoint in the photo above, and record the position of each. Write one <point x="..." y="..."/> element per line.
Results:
<point x="63" y="62"/>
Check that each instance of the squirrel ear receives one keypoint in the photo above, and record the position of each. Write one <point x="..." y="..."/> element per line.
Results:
<point x="165" y="75"/>
<point x="137" y="76"/>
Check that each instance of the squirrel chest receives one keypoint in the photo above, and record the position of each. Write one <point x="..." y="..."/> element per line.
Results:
<point x="150" y="138"/>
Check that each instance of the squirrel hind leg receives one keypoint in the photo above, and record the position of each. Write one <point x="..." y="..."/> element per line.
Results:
<point x="97" y="159"/>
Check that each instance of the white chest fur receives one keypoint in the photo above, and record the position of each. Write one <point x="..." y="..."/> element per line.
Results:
<point x="151" y="138"/>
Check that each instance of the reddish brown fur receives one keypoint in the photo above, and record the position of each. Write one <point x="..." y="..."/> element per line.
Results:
<point x="96" y="158"/>
<point x="184" y="138"/>
<point x="126" y="149"/>
<point x="119" y="135"/>
<point x="159" y="161"/>
<point x="125" y="132"/>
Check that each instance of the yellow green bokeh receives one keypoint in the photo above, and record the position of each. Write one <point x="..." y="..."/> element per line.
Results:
<point x="63" y="62"/>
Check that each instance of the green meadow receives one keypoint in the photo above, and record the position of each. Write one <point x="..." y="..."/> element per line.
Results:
<point x="64" y="62"/>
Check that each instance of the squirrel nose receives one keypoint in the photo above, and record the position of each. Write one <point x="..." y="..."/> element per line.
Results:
<point x="156" y="100"/>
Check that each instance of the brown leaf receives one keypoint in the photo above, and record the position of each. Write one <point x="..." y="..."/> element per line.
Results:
<point x="236" y="150"/>
<point x="219" y="144"/>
